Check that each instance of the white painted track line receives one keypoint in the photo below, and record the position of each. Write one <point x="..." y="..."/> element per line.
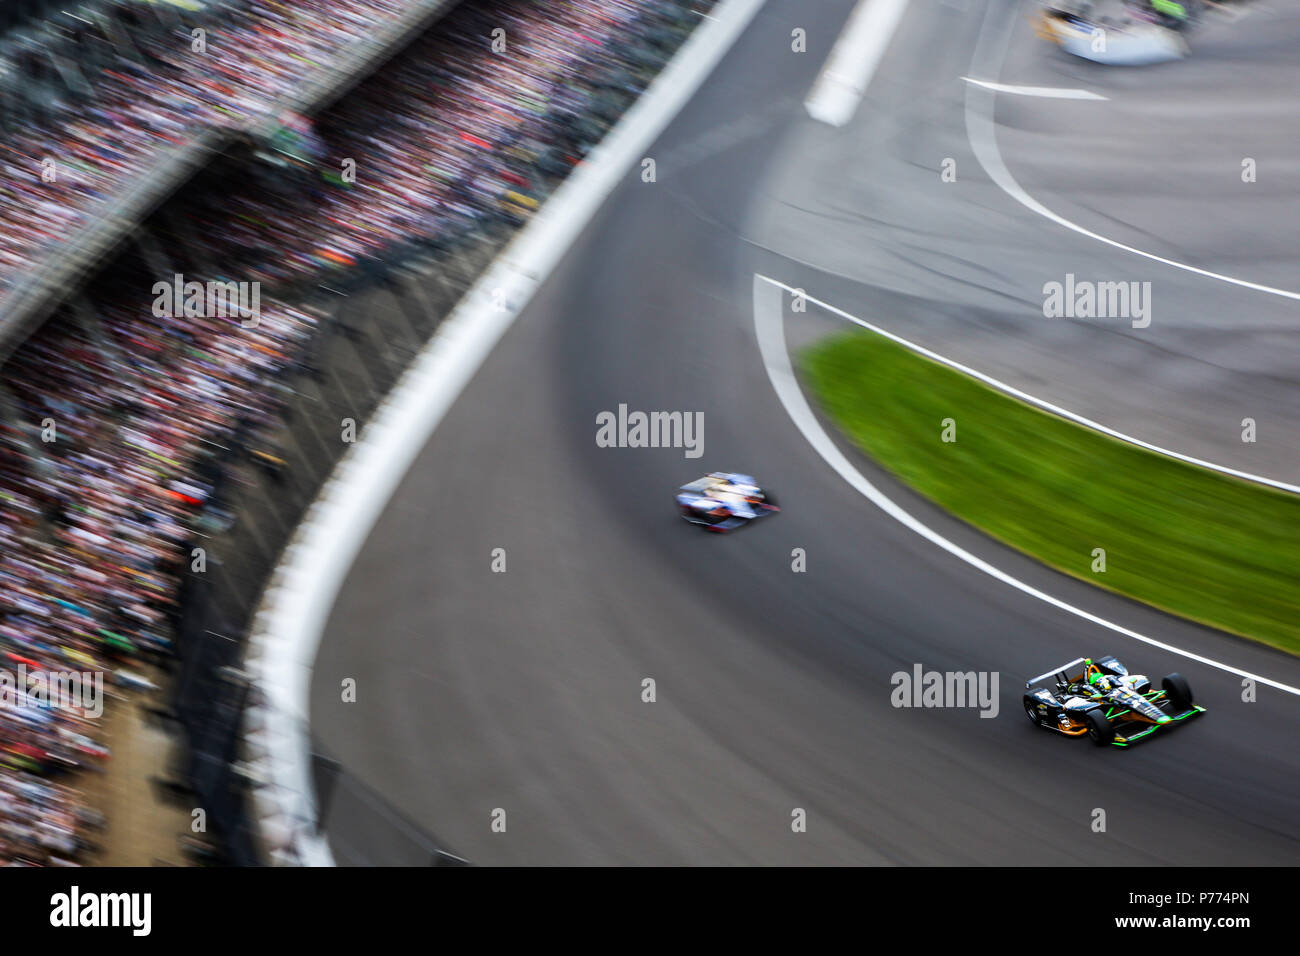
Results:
<point x="1051" y="92"/>
<point x="769" y="326"/>
<point x="844" y="80"/>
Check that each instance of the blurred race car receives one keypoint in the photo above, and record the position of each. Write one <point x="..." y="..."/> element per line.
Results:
<point x="1108" y="703"/>
<point x="724" y="500"/>
<point x="1131" y="34"/>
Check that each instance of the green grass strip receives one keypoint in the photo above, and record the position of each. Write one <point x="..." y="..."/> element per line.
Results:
<point x="1190" y="541"/>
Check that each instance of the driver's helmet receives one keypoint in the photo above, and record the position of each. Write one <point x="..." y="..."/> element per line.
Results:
<point x="1100" y="680"/>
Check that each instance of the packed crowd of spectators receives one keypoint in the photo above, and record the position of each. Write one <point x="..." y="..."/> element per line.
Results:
<point x="469" y="133"/>
<point x="257" y="52"/>
<point x="94" y="525"/>
<point x="149" y="410"/>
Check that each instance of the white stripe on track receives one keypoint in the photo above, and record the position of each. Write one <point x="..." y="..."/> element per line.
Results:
<point x="844" y="79"/>
<point x="1051" y="92"/>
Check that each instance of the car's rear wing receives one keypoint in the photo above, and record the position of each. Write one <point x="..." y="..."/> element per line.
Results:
<point x="1063" y="669"/>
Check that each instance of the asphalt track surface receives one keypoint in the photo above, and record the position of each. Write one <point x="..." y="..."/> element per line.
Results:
<point x="522" y="690"/>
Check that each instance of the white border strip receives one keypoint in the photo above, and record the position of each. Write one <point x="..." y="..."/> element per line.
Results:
<point x="844" y="80"/>
<point x="1052" y="92"/>
<point x="288" y="626"/>
<point x="1038" y="402"/>
<point x="769" y="326"/>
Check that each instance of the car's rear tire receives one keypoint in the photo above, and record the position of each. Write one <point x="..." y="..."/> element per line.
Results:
<point x="1099" y="728"/>
<point x="1179" y="691"/>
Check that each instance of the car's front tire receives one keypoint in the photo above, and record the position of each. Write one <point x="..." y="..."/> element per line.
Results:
<point x="1031" y="711"/>
<point x="1099" y="728"/>
<point x="1179" y="691"/>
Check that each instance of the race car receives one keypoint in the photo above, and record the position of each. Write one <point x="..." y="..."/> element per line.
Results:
<point x="1108" y="703"/>
<point x="1119" y="33"/>
<point x="724" y="500"/>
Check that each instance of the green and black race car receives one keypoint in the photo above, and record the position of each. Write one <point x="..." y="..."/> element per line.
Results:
<point x="1108" y="703"/>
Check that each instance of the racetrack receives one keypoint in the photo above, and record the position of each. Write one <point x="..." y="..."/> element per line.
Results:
<point x="522" y="690"/>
